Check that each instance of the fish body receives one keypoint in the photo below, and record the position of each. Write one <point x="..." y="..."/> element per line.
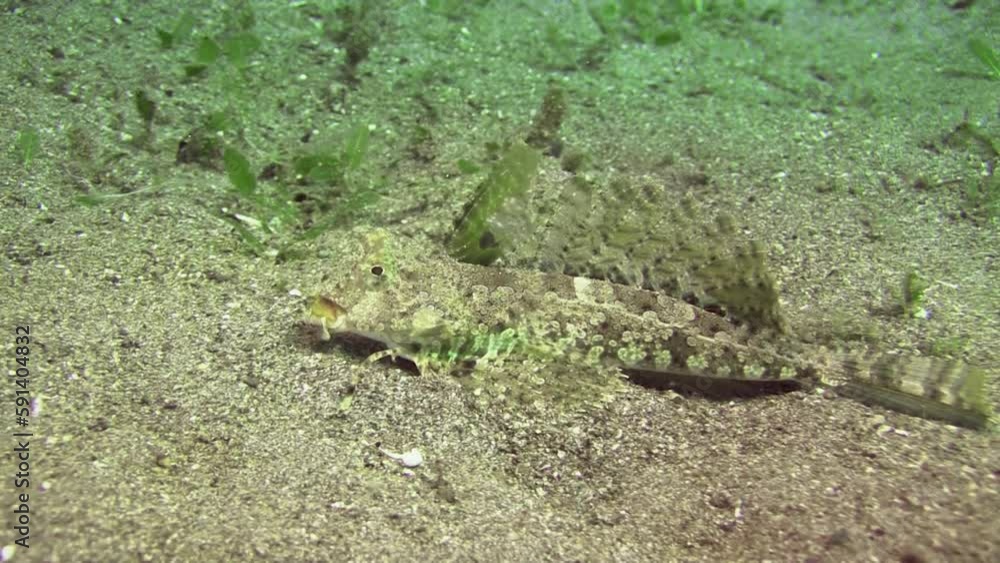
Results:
<point x="534" y="336"/>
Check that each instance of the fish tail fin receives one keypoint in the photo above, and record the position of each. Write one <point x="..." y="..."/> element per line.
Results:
<point x="933" y="388"/>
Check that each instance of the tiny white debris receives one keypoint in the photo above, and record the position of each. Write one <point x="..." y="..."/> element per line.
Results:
<point x="295" y="293"/>
<point x="250" y="221"/>
<point x="7" y="552"/>
<point x="125" y="217"/>
<point x="412" y="458"/>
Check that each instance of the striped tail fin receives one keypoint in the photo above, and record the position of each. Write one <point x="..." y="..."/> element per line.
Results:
<point x="932" y="388"/>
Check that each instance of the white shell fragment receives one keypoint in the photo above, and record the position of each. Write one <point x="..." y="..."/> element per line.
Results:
<point x="412" y="458"/>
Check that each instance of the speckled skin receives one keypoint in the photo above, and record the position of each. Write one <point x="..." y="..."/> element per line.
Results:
<point x="514" y="333"/>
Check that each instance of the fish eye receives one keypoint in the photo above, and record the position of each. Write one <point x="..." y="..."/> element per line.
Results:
<point x="377" y="270"/>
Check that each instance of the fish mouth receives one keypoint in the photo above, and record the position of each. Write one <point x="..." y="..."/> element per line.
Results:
<point x="328" y="314"/>
<point x="332" y="318"/>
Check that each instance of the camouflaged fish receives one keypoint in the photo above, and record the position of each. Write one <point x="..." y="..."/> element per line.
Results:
<point x="516" y="334"/>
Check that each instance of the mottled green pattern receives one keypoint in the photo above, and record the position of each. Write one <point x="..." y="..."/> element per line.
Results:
<point x="545" y="336"/>
<point x="640" y="232"/>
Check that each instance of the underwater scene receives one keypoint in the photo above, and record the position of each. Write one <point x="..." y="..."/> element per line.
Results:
<point x="444" y="280"/>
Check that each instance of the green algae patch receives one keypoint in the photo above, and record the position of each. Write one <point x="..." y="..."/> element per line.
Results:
<point x="482" y="232"/>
